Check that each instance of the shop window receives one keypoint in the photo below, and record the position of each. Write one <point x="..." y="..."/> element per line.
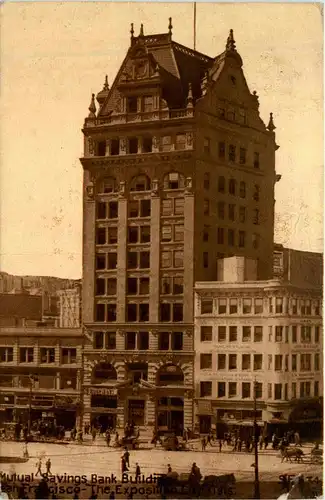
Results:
<point x="100" y="312"/>
<point x="132" y="104"/>
<point x="205" y="389"/>
<point x="101" y="236"/>
<point x="247" y="306"/>
<point x="232" y="389"/>
<point x="100" y="286"/>
<point x="222" y="333"/>
<point x="242" y="238"/>
<point x="232" y="361"/>
<point x="112" y="260"/>
<point x="100" y="261"/>
<point x="206" y="333"/>
<point x="221" y="389"/>
<point x="112" y="235"/>
<point x="258" y="360"/>
<point x="246" y="362"/>
<point x="115" y="147"/>
<point x="47" y="355"/>
<point x="111" y="312"/>
<point x="206" y="306"/>
<point x="246" y="390"/>
<point x="258" y="334"/>
<point x="232" y="186"/>
<point x="113" y="210"/>
<point x="220" y="235"/>
<point x="147" y="145"/>
<point x="242" y="189"/>
<point x="258" y="306"/>
<point x="246" y="333"/>
<point x="233" y="334"/>
<point x="242" y="156"/>
<point x="205" y="361"/>
<point x="221" y="361"/>
<point x="6" y="354"/>
<point x="68" y="355"/>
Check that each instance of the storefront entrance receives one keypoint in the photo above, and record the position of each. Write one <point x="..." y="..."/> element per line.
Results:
<point x="170" y="415"/>
<point x="103" y="422"/>
<point x="136" y="411"/>
<point x="205" y="424"/>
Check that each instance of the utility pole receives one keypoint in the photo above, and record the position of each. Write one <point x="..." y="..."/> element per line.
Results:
<point x="256" y="481"/>
<point x="194" y="32"/>
<point x="32" y="379"/>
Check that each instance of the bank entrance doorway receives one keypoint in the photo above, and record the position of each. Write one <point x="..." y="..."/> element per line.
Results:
<point x="104" y="421"/>
<point x="136" y="411"/>
<point x="170" y="415"/>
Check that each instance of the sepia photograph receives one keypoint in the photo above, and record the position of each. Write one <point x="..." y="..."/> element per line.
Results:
<point x="161" y="250"/>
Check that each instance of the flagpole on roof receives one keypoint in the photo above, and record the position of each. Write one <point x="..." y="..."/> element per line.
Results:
<point x="194" y="22"/>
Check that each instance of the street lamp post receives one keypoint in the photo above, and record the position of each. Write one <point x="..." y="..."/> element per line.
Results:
<point x="256" y="481"/>
<point x="32" y="379"/>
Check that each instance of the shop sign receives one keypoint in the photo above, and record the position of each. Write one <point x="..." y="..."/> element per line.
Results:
<point x="103" y="392"/>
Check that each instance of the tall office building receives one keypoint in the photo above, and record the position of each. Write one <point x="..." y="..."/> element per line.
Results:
<point x="179" y="170"/>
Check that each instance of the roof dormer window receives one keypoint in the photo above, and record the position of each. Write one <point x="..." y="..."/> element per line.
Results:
<point x="132" y="104"/>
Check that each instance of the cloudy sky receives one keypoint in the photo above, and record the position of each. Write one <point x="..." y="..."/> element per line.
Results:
<point x="54" y="55"/>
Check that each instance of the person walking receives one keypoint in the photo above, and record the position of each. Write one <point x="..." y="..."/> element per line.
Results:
<point x="127" y="457"/>
<point x="203" y="443"/>
<point x="108" y="437"/>
<point x="39" y="467"/>
<point x="94" y="433"/>
<point x="137" y="472"/>
<point x="48" y="466"/>
<point x="123" y="466"/>
<point x="220" y="445"/>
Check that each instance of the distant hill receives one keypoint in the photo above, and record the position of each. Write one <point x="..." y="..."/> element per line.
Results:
<point x="10" y="283"/>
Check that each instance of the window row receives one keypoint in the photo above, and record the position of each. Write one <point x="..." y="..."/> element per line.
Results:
<point x="138" y="234"/>
<point x="233" y="333"/>
<point x="41" y="381"/>
<point x="229" y="361"/>
<point x="170" y="285"/>
<point x="305" y="334"/>
<point x="107" y="210"/>
<point x="172" y="259"/>
<point x="168" y="312"/>
<point x="307" y="362"/>
<point x="235" y="154"/>
<point x="231" y="213"/>
<point x="303" y="307"/>
<point x="141" y="183"/>
<point x="242" y="390"/>
<point x="170" y="233"/>
<point x="233" y="238"/>
<point x="232" y="306"/>
<point x="46" y="355"/>
<point x="141" y="144"/>
<point x="139" y="341"/>
<point x="298" y="389"/>
<point x="231" y="187"/>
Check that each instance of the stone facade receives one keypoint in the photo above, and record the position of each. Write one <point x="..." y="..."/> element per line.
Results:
<point x="179" y="170"/>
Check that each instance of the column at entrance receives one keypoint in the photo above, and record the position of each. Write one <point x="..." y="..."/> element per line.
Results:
<point x="120" y="420"/>
<point x="188" y="411"/>
<point x="86" y="417"/>
<point x="151" y="411"/>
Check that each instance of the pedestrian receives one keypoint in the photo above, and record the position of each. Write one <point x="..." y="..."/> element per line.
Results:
<point x="123" y="465"/>
<point x="112" y="494"/>
<point x="108" y="438"/>
<point x="25" y="452"/>
<point x="137" y="471"/>
<point x="236" y="444"/>
<point x="42" y="491"/>
<point x="39" y="467"/>
<point x="48" y="466"/>
<point x="127" y="457"/>
<point x="240" y="444"/>
<point x="274" y="441"/>
<point x="94" y="433"/>
<point x="203" y="443"/>
<point x="169" y="469"/>
<point x="220" y="445"/>
<point x="266" y="442"/>
<point x="261" y="440"/>
<point x="209" y="439"/>
<point x="297" y="439"/>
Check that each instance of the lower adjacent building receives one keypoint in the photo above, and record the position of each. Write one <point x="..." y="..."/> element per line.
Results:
<point x="257" y="339"/>
<point x="41" y="370"/>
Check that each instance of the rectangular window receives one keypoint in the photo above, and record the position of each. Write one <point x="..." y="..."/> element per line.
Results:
<point x="221" y="389"/>
<point x="178" y="258"/>
<point x="205" y="389"/>
<point x="294" y="334"/>
<point x="316" y="388"/>
<point x="144" y="286"/>
<point x="178" y="286"/>
<point x="270" y="334"/>
<point x="241" y="242"/>
<point x="258" y="361"/>
<point x="306" y="334"/>
<point x="222" y="332"/>
<point x="166" y="259"/>
<point x="256" y="216"/>
<point x="101" y="236"/>
<point x="246" y="390"/>
<point x="68" y="356"/>
<point x="115" y="149"/>
<point x="145" y="208"/>
<point x="277" y="391"/>
<point x="232" y="153"/>
<point x="221" y="361"/>
<point x="144" y="260"/>
<point x="278" y="362"/>
<point x="147" y="103"/>
<point x="166" y="234"/>
<point x="256" y="160"/>
<point x="143" y="341"/>
<point x="269" y="361"/>
<point x="177" y="341"/>
<point x="130" y="341"/>
<point x="206" y="306"/>
<point x="231" y="237"/>
<point x="222" y="150"/>
<point x="221" y="210"/>
<point x="278" y="333"/>
<point x="133" y="145"/>
<point x="255" y="240"/>
<point x="111" y="286"/>
<point x="206" y="181"/>
<point x="98" y="340"/>
<point x="112" y="235"/>
<point x="166" y="286"/>
<point x="206" y="145"/>
<point x="47" y="355"/>
<point x="206" y="333"/>
<point x="317" y="308"/>
<point x="232" y="389"/>
<point x="231" y="211"/>
<point x="205" y="361"/>
<point x="132" y="104"/>
<point x="165" y="312"/>
<point x="100" y="261"/>
<point x="6" y="354"/>
<point x="206" y="207"/>
<point x="220" y="236"/>
<point x="177" y="313"/>
<point x="167" y="207"/>
<point x="146" y="144"/>
<point x="222" y="306"/>
<point x="242" y="156"/>
<point x="143" y="312"/>
<point x="242" y="214"/>
<point x="110" y="340"/>
<point x="302" y="307"/>
<point x="113" y="210"/>
<point x="246" y="362"/>
<point x="179" y="232"/>
<point x="256" y="192"/>
<point x="180" y="141"/>
<point x="163" y="341"/>
<point x="221" y="184"/>
<point x="258" y="306"/>
<point x="294" y="362"/>
<point x="132" y="260"/>
<point x="179" y="206"/>
<point x="233" y="306"/>
<point x="279" y="305"/>
<point x="101" y="210"/>
<point x="246" y="333"/>
<point x="316" y="362"/>
<point x="100" y="312"/>
<point x="294" y="306"/>
<point x="205" y="259"/>
<point x="317" y="334"/>
<point x="294" y="390"/>
<point x="144" y="234"/>
<point x="232" y="361"/>
<point x="133" y="209"/>
<point x="242" y="189"/>
<point x="233" y="334"/>
<point x="269" y="391"/>
<point x="100" y="286"/>
<point x="166" y="143"/>
<point x="258" y="334"/>
<point x="111" y="312"/>
<point x="258" y="386"/>
<point x="247" y="306"/>
<point x="206" y="230"/>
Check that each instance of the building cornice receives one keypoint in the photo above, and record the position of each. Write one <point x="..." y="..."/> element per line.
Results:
<point x="93" y="162"/>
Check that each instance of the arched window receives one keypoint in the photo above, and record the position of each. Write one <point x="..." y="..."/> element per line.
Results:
<point x="140" y="183"/>
<point x="103" y="372"/>
<point x="107" y="185"/>
<point x="221" y="184"/>
<point x="170" y="375"/>
<point x="232" y="186"/>
<point x="174" y="180"/>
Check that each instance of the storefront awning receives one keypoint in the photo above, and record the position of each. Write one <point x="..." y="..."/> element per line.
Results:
<point x="205" y="408"/>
